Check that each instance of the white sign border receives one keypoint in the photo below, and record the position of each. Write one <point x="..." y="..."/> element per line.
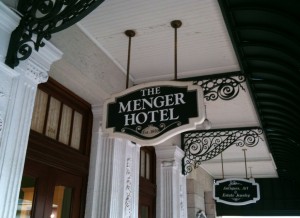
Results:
<point x="238" y="203"/>
<point x="193" y="122"/>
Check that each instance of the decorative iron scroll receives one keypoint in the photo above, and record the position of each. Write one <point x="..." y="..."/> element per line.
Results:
<point x="204" y="145"/>
<point x="225" y="87"/>
<point x="40" y="19"/>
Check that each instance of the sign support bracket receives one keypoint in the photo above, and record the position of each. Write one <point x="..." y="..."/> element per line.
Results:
<point x="203" y="145"/>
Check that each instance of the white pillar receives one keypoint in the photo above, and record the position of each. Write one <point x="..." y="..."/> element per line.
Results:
<point x="171" y="184"/>
<point x="113" y="184"/>
<point x="17" y="94"/>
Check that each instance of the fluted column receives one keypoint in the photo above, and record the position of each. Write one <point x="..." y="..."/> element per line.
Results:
<point x="17" y="95"/>
<point x="113" y="184"/>
<point x="171" y="184"/>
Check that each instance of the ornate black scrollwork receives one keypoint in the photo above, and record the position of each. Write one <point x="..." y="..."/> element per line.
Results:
<point x="40" y="19"/>
<point x="204" y="145"/>
<point x="225" y="87"/>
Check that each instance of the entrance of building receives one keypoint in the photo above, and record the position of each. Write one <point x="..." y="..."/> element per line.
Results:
<point x="48" y="192"/>
<point x="57" y="159"/>
<point x="147" y="192"/>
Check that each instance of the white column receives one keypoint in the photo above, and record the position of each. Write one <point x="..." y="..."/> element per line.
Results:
<point x="113" y="184"/>
<point x="171" y="184"/>
<point x="17" y="94"/>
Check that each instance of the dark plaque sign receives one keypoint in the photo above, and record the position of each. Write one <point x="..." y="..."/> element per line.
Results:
<point x="236" y="191"/>
<point x="153" y="112"/>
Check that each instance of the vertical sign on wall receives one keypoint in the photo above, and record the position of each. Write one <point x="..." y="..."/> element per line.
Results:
<point x="154" y="112"/>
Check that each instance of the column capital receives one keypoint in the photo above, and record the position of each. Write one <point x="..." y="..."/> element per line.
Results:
<point x="97" y="111"/>
<point x="97" y="118"/>
<point x="9" y="20"/>
<point x="36" y="67"/>
<point x="169" y="153"/>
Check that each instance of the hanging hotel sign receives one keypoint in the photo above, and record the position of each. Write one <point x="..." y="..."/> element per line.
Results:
<point x="153" y="112"/>
<point x="236" y="191"/>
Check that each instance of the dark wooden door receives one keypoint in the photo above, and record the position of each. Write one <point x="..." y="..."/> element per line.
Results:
<point x="56" y="167"/>
<point x="147" y="192"/>
<point x="54" y="193"/>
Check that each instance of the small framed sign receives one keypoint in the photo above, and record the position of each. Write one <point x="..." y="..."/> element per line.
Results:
<point x="154" y="112"/>
<point x="236" y="191"/>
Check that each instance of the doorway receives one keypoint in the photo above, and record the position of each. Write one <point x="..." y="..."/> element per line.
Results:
<point x="147" y="190"/>
<point x="57" y="160"/>
<point x="48" y="192"/>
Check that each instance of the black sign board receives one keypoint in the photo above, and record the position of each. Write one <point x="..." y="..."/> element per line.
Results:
<point x="236" y="191"/>
<point x="153" y="112"/>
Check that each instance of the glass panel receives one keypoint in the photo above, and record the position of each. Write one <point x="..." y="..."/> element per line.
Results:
<point x="25" y="197"/>
<point x="65" y="125"/>
<point x="61" y="206"/>
<point x="148" y="166"/>
<point x="143" y="163"/>
<point x="40" y="106"/>
<point x="144" y="211"/>
<point x="76" y="132"/>
<point x="53" y="116"/>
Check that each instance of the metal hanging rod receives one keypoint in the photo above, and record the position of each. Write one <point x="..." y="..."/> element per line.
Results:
<point x="130" y="34"/>
<point x="222" y="165"/>
<point x="206" y="123"/>
<point x="175" y="24"/>
<point x="245" y="162"/>
<point x="251" y="176"/>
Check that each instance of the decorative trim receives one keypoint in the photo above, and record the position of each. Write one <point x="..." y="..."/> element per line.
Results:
<point x="169" y="153"/>
<point x="35" y="73"/>
<point x="128" y="189"/>
<point x="204" y="145"/>
<point x="8" y="22"/>
<point x="2" y="93"/>
<point x="39" y="20"/>
<point x="181" y="202"/>
<point x="225" y="86"/>
<point x="170" y="163"/>
<point x="4" y="98"/>
<point x="1" y="124"/>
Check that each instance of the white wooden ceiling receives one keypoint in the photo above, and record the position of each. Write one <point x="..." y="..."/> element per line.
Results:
<point x="95" y="60"/>
<point x="203" y="43"/>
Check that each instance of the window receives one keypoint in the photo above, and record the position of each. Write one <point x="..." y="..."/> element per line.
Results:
<point x="61" y="115"/>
